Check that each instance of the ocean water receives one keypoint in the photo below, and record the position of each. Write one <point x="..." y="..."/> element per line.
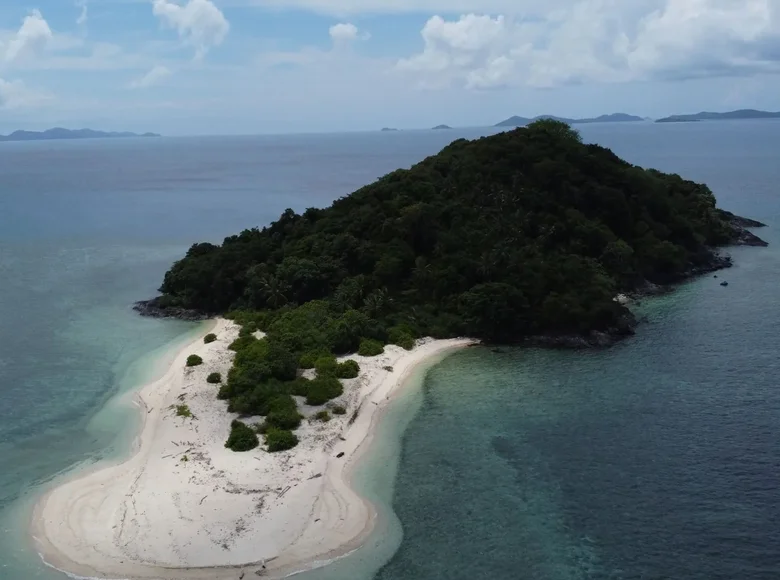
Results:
<point x="655" y="459"/>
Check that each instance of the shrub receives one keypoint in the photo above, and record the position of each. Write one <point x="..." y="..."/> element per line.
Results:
<point x="242" y="342"/>
<point x="323" y="416"/>
<point x="209" y="338"/>
<point x="326" y="366"/>
<point x="401" y="338"/>
<point x="280" y="439"/>
<point x="261" y="428"/>
<point x="248" y="329"/>
<point x="242" y="437"/>
<point x="183" y="411"/>
<point x="339" y="410"/>
<point x="369" y="347"/>
<point x="214" y="378"/>
<point x="299" y="387"/>
<point x="283" y="413"/>
<point x="194" y="360"/>
<point x="323" y="389"/>
<point x="349" y="369"/>
<point x="309" y="359"/>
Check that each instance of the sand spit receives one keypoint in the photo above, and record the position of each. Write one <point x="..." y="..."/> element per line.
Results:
<point x="184" y="507"/>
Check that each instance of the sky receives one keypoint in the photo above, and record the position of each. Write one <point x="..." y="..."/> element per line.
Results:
<point x="197" y="67"/>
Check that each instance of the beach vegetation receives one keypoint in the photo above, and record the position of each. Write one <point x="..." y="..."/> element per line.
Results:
<point x="280" y="439"/>
<point x="209" y="338"/>
<point x="242" y="437"/>
<point x="326" y="366"/>
<point x="183" y="411"/>
<point x="323" y="389"/>
<point x="349" y="369"/>
<point x="194" y="360"/>
<point x="242" y="342"/>
<point x="323" y="416"/>
<point x="339" y="410"/>
<point x="299" y="387"/>
<point x="369" y="347"/>
<point x="402" y="336"/>
<point x="308" y="360"/>
<point x="283" y="413"/>
<point x="214" y="378"/>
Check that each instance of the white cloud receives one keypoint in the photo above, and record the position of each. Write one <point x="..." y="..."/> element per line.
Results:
<point x="601" y="41"/>
<point x="151" y="78"/>
<point x="343" y="32"/>
<point x="31" y="38"/>
<point x="199" y="22"/>
<point x="83" y="15"/>
<point x="16" y="95"/>
<point x="342" y="7"/>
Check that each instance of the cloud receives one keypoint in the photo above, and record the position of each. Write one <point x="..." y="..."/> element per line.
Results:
<point x="343" y="32"/>
<point x="199" y="22"/>
<point x="83" y="15"/>
<point x="151" y="78"/>
<point x="601" y="41"/>
<point x="16" y="95"/>
<point x="343" y="7"/>
<point x="31" y="38"/>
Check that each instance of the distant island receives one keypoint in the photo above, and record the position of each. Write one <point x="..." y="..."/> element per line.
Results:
<point x="516" y="121"/>
<point x="59" y="133"/>
<point x="438" y="127"/>
<point x="728" y="116"/>
<point x="386" y="129"/>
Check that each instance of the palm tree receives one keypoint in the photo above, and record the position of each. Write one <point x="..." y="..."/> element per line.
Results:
<point x="274" y="291"/>
<point x="376" y="302"/>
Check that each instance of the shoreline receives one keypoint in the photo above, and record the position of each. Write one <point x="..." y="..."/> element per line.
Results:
<point x="186" y="508"/>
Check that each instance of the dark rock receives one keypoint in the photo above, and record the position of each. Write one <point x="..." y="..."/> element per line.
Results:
<point x="724" y="283"/>
<point x="739" y="221"/>
<point x="340" y="455"/>
<point x="155" y="309"/>
<point x="740" y="225"/>
<point x="747" y="238"/>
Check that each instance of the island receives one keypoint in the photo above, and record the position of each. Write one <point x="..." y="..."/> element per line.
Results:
<point x="516" y="121"/>
<point x="61" y="134"/>
<point x="388" y="129"/>
<point x="249" y="441"/>
<point x="728" y="116"/>
<point x="440" y="127"/>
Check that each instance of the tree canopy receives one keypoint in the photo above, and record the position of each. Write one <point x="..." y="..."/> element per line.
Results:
<point x="525" y="232"/>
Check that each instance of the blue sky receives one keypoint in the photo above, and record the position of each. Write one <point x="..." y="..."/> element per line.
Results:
<point x="277" y="66"/>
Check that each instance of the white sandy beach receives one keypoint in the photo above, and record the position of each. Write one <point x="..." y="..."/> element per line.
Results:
<point x="220" y="514"/>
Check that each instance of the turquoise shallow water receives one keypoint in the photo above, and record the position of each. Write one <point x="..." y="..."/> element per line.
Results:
<point x="656" y="459"/>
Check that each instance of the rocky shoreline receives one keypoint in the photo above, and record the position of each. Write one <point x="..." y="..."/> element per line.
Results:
<point x="155" y="308"/>
<point x="627" y="326"/>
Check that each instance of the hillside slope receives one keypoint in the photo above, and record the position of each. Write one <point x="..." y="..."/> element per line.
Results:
<point x="524" y="233"/>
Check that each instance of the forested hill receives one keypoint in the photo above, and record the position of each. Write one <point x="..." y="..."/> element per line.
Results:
<point x="524" y="233"/>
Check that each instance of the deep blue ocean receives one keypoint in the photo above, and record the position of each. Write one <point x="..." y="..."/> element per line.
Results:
<point x="656" y="459"/>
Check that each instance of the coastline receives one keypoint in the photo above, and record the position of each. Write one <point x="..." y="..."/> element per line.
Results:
<point x="218" y="514"/>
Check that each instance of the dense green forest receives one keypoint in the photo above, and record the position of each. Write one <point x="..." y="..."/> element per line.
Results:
<point x="524" y="233"/>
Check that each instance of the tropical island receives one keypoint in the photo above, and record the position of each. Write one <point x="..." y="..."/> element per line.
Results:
<point x="528" y="236"/>
<point x="525" y="236"/>
<point x="440" y="127"/>
<point x="61" y="134"/>
<point x="728" y="116"/>
<point x="388" y="130"/>
<point x="517" y="121"/>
